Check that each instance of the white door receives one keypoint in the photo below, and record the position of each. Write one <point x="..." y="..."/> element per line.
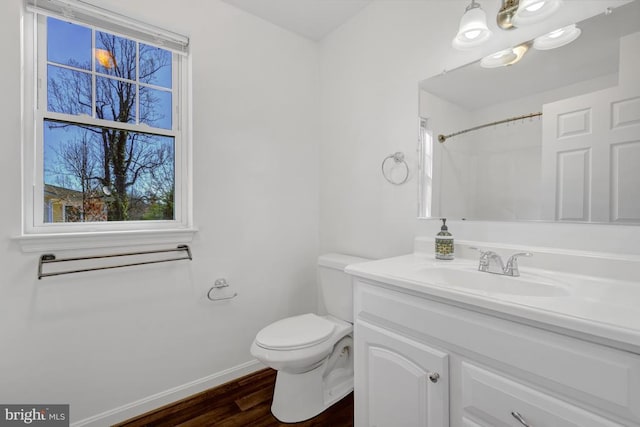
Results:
<point x="398" y="382"/>
<point x="591" y="157"/>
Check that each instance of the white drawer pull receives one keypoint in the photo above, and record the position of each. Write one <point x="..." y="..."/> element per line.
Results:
<point x="519" y="417"/>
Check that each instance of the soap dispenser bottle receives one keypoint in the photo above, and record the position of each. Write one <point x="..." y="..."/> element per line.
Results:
<point x="444" y="242"/>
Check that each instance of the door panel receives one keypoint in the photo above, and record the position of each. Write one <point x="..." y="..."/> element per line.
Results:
<point x="587" y="175"/>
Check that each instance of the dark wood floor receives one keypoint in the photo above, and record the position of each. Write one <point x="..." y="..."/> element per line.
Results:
<point x="240" y="403"/>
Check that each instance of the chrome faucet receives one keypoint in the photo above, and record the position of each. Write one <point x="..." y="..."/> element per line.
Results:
<point x="511" y="269"/>
<point x="491" y="262"/>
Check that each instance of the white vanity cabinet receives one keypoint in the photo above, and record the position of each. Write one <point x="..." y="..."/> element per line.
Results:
<point x="492" y="370"/>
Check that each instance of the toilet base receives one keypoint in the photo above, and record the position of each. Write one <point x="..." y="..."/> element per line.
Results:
<point x="299" y="397"/>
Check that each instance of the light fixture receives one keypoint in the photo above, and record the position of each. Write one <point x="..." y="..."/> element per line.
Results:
<point x="532" y="11"/>
<point x="504" y="19"/>
<point x="473" y="29"/>
<point x="557" y="38"/>
<point x="505" y="57"/>
<point x="105" y="58"/>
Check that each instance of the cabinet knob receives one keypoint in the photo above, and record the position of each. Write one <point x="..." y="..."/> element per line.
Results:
<point x="434" y="377"/>
<point x="520" y="418"/>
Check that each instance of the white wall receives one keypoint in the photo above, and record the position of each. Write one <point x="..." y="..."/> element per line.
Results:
<point x="102" y="340"/>
<point x="370" y="72"/>
<point x="629" y="60"/>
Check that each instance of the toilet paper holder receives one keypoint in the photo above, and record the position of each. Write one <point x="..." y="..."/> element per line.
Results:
<point x="220" y="284"/>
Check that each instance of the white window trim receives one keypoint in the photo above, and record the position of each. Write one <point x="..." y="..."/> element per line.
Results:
<point x="426" y="168"/>
<point x="37" y="236"/>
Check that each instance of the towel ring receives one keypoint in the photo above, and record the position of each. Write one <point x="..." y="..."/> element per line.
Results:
<point x="397" y="157"/>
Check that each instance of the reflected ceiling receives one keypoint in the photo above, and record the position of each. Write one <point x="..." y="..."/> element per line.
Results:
<point x="594" y="54"/>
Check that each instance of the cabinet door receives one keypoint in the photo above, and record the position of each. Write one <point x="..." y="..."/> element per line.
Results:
<point x="398" y="382"/>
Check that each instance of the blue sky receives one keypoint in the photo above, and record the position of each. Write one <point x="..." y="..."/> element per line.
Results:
<point x="71" y="44"/>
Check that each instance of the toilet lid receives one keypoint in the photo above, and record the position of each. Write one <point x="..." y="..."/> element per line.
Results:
<point x="295" y="332"/>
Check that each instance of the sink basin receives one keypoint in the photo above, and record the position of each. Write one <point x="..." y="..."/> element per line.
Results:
<point x="470" y="279"/>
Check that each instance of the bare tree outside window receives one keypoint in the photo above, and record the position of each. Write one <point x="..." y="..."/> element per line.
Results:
<point x="129" y="174"/>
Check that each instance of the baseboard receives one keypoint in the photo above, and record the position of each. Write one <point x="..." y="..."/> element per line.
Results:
<point x="157" y="400"/>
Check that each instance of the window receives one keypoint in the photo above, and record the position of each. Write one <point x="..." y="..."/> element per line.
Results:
<point x="425" y="183"/>
<point x="107" y="122"/>
<point x="106" y="141"/>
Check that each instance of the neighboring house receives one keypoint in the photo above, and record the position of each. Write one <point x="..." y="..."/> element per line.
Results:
<point x="66" y="205"/>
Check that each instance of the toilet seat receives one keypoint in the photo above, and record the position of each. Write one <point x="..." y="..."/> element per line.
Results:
<point x="296" y="360"/>
<point x="294" y="333"/>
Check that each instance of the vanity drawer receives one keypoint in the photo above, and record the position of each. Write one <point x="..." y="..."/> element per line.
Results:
<point x="589" y="374"/>
<point x="492" y="400"/>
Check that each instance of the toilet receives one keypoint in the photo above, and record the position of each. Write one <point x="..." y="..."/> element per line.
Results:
<point x="313" y="354"/>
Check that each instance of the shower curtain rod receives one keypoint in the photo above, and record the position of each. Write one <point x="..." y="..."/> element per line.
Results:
<point x="443" y="138"/>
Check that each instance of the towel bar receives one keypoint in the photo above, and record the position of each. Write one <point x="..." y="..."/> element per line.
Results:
<point x="50" y="258"/>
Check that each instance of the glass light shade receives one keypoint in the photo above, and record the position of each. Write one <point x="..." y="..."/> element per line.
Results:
<point x="473" y="29"/>
<point x="532" y="11"/>
<point x="557" y="38"/>
<point x="504" y="57"/>
<point x="498" y="59"/>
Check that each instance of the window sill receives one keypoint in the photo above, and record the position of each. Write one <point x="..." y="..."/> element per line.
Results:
<point x="111" y="239"/>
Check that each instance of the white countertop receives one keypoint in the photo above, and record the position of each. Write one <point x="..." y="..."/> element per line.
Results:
<point x="602" y="310"/>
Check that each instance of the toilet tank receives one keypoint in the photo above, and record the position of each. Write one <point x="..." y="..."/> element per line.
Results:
<point x="336" y="290"/>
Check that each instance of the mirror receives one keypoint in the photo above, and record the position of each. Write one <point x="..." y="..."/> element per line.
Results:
<point x="578" y="161"/>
